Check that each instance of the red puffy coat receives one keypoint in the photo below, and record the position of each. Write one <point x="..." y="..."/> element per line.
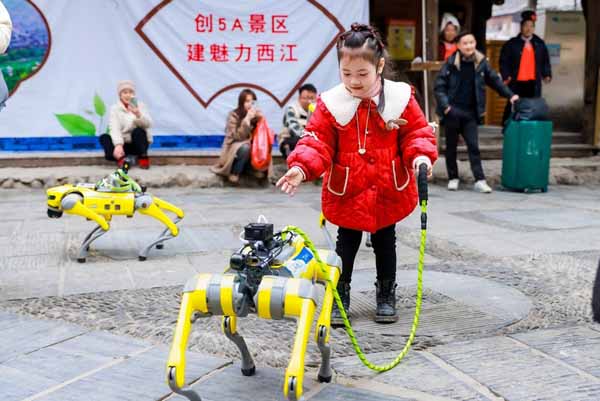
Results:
<point x="376" y="189"/>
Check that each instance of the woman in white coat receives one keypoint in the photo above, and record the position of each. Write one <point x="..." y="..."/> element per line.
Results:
<point x="129" y="128"/>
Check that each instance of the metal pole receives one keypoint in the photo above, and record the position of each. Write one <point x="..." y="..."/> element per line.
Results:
<point x="425" y="72"/>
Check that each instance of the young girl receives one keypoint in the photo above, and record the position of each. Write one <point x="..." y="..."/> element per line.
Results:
<point x="366" y="136"/>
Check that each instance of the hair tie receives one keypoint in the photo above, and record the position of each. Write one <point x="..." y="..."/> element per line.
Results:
<point x="375" y="35"/>
<point x="356" y="27"/>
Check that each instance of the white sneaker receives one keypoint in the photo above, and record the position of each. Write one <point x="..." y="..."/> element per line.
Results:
<point x="453" y="184"/>
<point x="482" y="187"/>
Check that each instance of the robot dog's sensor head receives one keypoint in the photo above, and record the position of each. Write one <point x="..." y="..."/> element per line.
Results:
<point x="258" y="232"/>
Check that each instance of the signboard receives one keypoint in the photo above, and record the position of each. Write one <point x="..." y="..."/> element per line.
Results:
<point x="188" y="59"/>
<point x="401" y="39"/>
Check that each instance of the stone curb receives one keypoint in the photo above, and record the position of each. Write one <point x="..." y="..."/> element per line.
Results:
<point x="567" y="171"/>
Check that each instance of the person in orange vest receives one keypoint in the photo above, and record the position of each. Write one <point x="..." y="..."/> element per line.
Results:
<point x="449" y="29"/>
<point x="524" y="62"/>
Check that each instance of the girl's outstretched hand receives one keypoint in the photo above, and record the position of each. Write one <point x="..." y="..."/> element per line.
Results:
<point x="291" y="180"/>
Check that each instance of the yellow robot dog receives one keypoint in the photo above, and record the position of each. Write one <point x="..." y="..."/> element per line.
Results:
<point x="274" y="275"/>
<point x="114" y="195"/>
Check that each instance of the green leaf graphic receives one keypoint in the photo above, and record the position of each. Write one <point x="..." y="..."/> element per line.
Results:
<point x="76" y="125"/>
<point x="99" y="105"/>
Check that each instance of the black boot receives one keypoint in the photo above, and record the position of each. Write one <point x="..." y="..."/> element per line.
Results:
<point x="336" y="316"/>
<point x="386" y="301"/>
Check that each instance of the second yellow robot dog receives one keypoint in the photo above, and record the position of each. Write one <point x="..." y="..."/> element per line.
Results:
<point x="115" y="195"/>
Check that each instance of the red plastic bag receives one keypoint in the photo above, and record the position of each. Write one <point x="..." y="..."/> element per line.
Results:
<point x="262" y="144"/>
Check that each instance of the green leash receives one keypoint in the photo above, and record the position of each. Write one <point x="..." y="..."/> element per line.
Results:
<point x="422" y="183"/>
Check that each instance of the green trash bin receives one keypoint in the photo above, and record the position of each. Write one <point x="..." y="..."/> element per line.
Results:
<point x="526" y="155"/>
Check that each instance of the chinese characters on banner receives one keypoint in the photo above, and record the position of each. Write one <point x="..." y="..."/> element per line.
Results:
<point x="206" y="51"/>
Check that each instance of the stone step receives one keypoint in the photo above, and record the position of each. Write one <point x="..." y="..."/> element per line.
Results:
<point x="581" y="170"/>
<point x="196" y="157"/>
<point x="494" y="152"/>
<point x="495" y="137"/>
<point x="564" y="144"/>
<point x="210" y="157"/>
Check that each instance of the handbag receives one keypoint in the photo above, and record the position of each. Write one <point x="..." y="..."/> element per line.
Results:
<point x="261" y="147"/>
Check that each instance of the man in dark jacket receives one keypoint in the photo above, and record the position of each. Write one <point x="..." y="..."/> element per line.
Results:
<point x="460" y="94"/>
<point x="524" y="62"/>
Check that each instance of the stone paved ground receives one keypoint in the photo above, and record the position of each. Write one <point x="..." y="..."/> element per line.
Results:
<point x="506" y="312"/>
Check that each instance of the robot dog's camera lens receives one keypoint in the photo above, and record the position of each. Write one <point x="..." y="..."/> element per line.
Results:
<point x="236" y="262"/>
<point x="253" y="260"/>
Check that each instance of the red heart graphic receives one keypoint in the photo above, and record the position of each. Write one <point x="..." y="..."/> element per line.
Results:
<point x="207" y="98"/>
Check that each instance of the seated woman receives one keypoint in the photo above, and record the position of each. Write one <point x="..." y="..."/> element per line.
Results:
<point x="235" y="154"/>
<point x="129" y="128"/>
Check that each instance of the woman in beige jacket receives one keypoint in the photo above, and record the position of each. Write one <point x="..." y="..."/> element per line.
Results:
<point x="129" y="128"/>
<point x="235" y="154"/>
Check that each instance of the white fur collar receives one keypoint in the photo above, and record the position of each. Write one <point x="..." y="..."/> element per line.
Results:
<point x="342" y="105"/>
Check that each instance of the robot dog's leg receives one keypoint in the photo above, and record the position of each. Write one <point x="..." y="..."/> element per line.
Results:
<point x="220" y="295"/>
<point x="145" y="204"/>
<point x="164" y="236"/>
<point x="229" y="328"/>
<point x="85" y="246"/>
<point x="204" y="295"/>
<point x="328" y="238"/>
<point x="173" y="209"/>
<point x="158" y="242"/>
<point x="169" y="207"/>
<point x="329" y="277"/>
<point x="294" y="374"/>
<point x="73" y="204"/>
<point x="279" y="297"/>
<point x="193" y="304"/>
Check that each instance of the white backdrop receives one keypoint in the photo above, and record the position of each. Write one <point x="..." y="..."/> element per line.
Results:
<point x="95" y="44"/>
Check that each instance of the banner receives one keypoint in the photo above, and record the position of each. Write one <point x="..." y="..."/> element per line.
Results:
<point x="189" y="60"/>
